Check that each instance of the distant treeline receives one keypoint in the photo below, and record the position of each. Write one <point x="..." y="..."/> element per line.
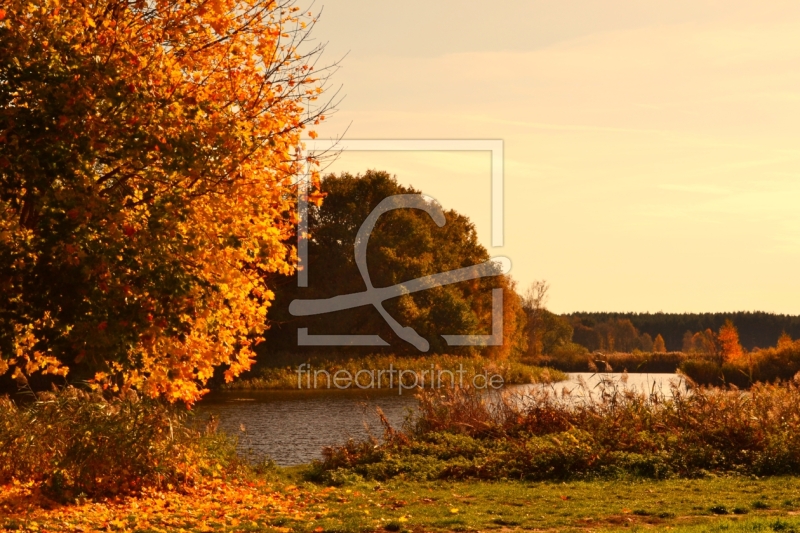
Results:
<point x="756" y="329"/>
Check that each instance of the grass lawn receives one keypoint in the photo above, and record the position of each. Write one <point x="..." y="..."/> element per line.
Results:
<point x="286" y="504"/>
<point x="724" y="504"/>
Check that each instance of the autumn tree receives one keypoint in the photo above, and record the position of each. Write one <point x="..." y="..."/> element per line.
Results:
<point x="658" y="345"/>
<point x="728" y="337"/>
<point x="586" y="335"/>
<point x="686" y="343"/>
<point x="534" y="303"/>
<point x="625" y="335"/>
<point x="147" y="155"/>
<point x="755" y="328"/>
<point x="646" y="342"/>
<point x="614" y="334"/>
<point x="546" y="330"/>
<point x="784" y="341"/>
<point x="703" y="343"/>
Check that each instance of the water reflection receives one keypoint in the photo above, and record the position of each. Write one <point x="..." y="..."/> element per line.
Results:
<point x="589" y="385"/>
<point x="292" y="427"/>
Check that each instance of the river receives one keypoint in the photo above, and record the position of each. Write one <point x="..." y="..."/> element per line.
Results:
<point x="293" y="426"/>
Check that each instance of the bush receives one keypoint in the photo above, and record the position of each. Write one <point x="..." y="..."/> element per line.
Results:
<point x="72" y="442"/>
<point x="617" y="431"/>
<point x="767" y="365"/>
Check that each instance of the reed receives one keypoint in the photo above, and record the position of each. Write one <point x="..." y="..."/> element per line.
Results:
<point x="636" y="361"/>
<point x="610" y="430"/>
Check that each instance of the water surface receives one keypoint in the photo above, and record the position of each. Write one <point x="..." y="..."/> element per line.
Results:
<point x="293" y="426"/>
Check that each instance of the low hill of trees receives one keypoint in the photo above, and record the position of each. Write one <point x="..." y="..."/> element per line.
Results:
<point x="756" y="329"/>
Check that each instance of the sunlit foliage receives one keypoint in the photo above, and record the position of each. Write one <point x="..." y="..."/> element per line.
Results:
<point x="147" y="152"/>
<point x="728" y="338"/>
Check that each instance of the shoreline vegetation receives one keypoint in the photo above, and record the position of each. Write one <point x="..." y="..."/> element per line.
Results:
<point x="150" y="164"/>
<point x="761" y="365"/>
<point x="717" y="458"/>
<point x="605" y="431"/>
<point x="285" y="373"/>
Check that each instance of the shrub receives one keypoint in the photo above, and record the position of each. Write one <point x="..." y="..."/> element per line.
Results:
<point x="71" y="442"/>
<point x="606" y="431"/>
<point x="766" y="365"/>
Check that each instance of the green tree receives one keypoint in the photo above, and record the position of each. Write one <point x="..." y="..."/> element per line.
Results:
<point x="405" y="244"/>
<point x="585" y="335"/>
<point x="556" y="332"/>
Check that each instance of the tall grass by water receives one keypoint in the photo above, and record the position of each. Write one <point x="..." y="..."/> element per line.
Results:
<point x="607" y="431"/>
<point x="571" y="360"/>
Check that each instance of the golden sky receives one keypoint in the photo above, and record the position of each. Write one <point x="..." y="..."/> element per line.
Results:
<point x="652" y="154"/>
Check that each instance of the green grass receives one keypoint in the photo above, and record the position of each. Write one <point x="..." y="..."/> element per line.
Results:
<point x="712" y="504"/>
<point x="285" y="376"/>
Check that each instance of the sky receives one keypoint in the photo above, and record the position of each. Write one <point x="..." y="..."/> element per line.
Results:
<point x="651" y="149"/>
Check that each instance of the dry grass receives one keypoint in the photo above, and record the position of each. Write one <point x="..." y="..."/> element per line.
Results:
<point x="72" y="442"/>
<point x="610" y="430"/>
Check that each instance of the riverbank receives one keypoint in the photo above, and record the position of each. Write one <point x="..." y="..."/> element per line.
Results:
<point x="282" y="502"/>
<point x="388" y="372"/>
<point x="596" y="431"/>
<point x="61" y="482"/>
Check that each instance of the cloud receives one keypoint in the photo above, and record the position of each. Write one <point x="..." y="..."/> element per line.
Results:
<point x="694" y="188"/>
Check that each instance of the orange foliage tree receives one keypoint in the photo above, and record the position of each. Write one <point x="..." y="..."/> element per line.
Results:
<point x="784" y="341"/>
<point x="147" y="155"/>
<point x="658" y="345"/>
<point x="728" y="338"/>
<point x="703" y="342"/>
